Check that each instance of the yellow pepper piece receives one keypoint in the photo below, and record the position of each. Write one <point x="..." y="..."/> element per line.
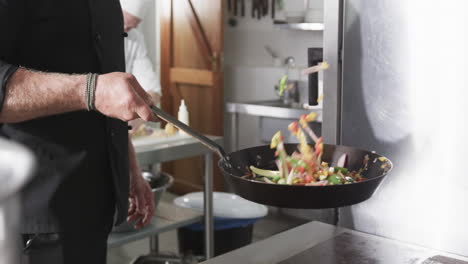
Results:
<point x="320" y="98"/>
<point x="304" y="119"/>
<point x="275" y="140"/>
<point x="383" y="159"/>
<point x="311" y="116"/>
<point x="324" y="65"/>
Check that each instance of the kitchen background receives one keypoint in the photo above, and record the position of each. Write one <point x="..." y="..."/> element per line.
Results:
<point x="395" y="85"/>
<point x="250" y="73"/>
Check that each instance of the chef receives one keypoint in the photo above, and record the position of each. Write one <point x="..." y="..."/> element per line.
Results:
<point x="65" y="95"/>
<point x="137" y="61"/>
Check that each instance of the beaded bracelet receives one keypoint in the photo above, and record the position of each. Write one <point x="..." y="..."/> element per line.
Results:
<point x="90" y="91"/>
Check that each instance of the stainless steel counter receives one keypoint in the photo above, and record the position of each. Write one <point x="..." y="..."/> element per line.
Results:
<point x="173" y="150"/>
<point x="275" y="108"/>
<point x="318" y="242"/>
<point x="168" y="217"/>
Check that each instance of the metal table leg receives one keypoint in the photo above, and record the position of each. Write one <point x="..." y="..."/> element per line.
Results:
<point x="154" y="244"/>
<point x="234" y="132"/>
<point x="208" y="206"/>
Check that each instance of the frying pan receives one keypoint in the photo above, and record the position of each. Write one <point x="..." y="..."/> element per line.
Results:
<point x="234" y="167"/>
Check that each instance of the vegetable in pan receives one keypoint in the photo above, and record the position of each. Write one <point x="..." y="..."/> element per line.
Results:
<point x="305" y="166"/>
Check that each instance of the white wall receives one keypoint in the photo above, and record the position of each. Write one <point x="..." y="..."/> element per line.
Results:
<point x="244" y="43"/>
<point x="150" y="29"/>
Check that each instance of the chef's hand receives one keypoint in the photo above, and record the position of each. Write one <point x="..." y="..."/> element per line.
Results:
<point x="141" y="199"/>
<point x="137" y="123"/>
<point x="130" y="21"/>
<point x="119" y="95"/>
<point x="141" y="202"/>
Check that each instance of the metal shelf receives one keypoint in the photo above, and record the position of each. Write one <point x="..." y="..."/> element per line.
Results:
<point x="299" y="26"/>
<point x="168" y="217"/>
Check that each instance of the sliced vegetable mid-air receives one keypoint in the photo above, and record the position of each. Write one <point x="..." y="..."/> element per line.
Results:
<point x="305" y="166"/>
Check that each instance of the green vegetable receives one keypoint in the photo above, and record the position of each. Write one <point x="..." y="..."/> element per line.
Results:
<point x="282" y="181"/>
<point x="265" y="179"/>
<point x="296" y="162"/>
<point x="335" y="179"/>
<point x="341" y="169"/>
<point x="266" y="173"/>
<point x="282" y="84"/>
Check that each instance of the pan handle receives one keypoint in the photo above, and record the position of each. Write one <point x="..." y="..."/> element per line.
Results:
<point x="201" y="138"/>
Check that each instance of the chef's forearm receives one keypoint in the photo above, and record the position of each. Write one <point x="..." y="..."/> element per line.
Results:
<point x="30" y="95"/>
<point x="133" y="163"/>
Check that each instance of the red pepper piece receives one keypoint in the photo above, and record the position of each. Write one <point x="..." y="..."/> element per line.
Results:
<point x="300" y="169"/>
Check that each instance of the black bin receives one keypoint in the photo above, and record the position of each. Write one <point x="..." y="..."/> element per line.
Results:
<point x="229" y="234"/>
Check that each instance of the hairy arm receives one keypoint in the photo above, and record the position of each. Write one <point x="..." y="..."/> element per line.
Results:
<point x="30" y="95"/>
<point x="141" y="206"/>
<point x="26" y="94"/>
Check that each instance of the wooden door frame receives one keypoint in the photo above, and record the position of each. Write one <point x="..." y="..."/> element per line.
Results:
<point x="210" y="75"/>
<point x="206" y="77"/>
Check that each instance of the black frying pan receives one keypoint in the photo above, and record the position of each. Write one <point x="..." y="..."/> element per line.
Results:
<point x="235" y="166"/>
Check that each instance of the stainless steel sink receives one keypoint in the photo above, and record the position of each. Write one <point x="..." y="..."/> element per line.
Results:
<point x="271" y="108"/>
<point x="278" y="103"/>
<point x="275" y="103"/>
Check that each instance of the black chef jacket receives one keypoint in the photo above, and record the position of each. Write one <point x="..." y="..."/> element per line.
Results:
<point x="83" y="172"/>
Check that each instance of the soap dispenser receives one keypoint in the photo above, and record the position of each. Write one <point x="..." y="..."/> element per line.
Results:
<point x="183" y="115"/>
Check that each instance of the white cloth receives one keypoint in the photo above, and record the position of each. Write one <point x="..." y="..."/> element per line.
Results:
<point x="138" y="63"/>
<point x="135" y="7"/>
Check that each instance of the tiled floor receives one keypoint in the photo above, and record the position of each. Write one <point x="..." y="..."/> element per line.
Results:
<point x="266" y="227"/>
